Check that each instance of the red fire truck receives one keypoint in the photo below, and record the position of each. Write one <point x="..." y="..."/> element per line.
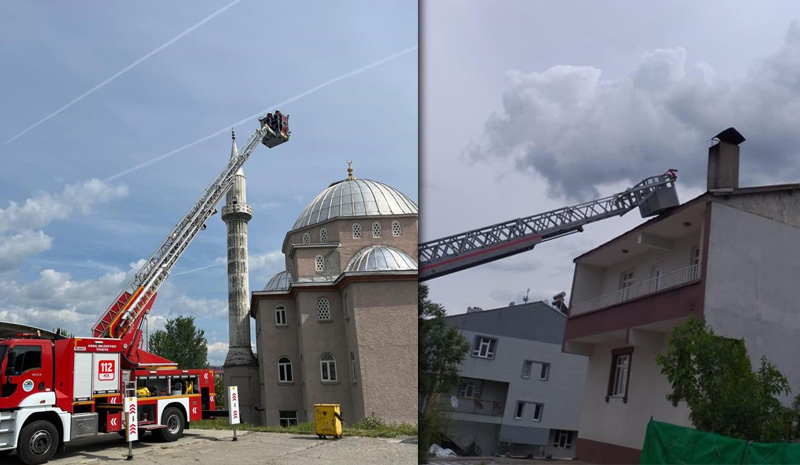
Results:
<point x="56" y="389"/>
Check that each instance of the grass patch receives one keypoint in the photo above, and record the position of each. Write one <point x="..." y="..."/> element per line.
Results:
<point x="365" y="428"/>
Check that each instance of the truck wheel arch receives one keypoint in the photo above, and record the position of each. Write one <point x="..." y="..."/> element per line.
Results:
<point x="51" y="417"/>
<point x="180" y="407"/>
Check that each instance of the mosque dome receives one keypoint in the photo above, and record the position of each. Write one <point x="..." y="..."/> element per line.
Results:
<point x="279" y="282"/>
<point x="381" y="258"/>
<point x="355" y="197"/>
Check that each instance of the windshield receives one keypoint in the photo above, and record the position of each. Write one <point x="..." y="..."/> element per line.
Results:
<point x="3" y="350"/>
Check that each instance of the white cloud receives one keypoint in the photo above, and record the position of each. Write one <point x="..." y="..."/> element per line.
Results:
<point x="14" y="249"/>
<point x="217" y="351"/>
<point x="580" y="131"/>
<point x="266" y="261"/>
<point x="55" y="299"/>
<point x="199" y="308"/>
<point x="43" y="208"/>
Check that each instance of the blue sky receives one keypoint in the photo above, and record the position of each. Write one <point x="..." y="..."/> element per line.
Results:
<point x="75" y="218"/>
<point x="529" y="106"/>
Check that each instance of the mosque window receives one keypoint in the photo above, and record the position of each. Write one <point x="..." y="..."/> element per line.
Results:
<point x="376" y="229"/>
<point x="288" y="417"/>
<point x="323" y="309"/>
<point x="346" y="308"/>
<point x="353" y="366"/>
<point x="327" y="367"/>
<point x="396" y="229"/>
<point x="306" y="238"/>
<point x="319" y="263"/>
<point x="280" y="315"/>
<point x="285" y="370"/>
<point x="356" y="231"/>
<point x="323" y="236"/>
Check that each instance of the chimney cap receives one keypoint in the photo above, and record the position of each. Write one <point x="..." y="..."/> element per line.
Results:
<point x="730" y="136"/>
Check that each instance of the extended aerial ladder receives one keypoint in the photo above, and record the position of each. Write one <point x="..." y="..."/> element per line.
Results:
<point x="124" y="318"/>
<point x="472" y="248"/>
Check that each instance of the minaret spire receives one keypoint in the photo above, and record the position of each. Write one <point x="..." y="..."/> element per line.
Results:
<point x="236" y="213"/>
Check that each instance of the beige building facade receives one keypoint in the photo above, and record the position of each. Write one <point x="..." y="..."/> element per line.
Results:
<point x="338" y="325"/>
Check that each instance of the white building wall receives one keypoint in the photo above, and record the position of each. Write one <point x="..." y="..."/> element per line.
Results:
<point x="624" y="424"/>
<point x="752" y="286"/>
<point x="560" y="394"/>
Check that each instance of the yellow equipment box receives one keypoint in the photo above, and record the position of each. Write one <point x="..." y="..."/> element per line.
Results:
<point x="328" y="420"/>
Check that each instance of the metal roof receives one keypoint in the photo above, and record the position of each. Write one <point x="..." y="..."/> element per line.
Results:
<point x="381" y="258"/>
<point x="353" y="198"/>
<point x="279" y="282"/>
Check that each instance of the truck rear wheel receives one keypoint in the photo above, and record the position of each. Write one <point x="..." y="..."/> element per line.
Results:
<point x="173" y="419"/>
<point x="38" y="442"/>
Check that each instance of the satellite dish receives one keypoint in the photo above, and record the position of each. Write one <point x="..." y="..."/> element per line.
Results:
<point x="454" y="402"/>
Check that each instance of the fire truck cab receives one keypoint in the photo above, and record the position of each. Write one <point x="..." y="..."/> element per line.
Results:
<point x="56" y="389"/>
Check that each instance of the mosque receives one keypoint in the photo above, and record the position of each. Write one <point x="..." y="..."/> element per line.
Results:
<point x="338" y="325"/>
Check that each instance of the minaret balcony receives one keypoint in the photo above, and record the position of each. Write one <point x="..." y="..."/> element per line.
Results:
<point x="237" y="212"/>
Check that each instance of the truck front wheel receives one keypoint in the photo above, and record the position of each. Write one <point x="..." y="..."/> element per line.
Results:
<point x="173" y="419"/>
<point x="38" y="442"/>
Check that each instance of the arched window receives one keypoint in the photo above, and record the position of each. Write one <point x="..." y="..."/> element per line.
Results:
<point x="306" y="238"/>
<point x="356" y="231"/>
<point x="280" y="315"/>
<point x="376" y="229"/>
<point x="323" y="309"/>
<point x="319" y="263"/>
<point x="285" y="370"/>
<point x="353" y="366"/>
<point x="327" y="367"/>
<point x="396" y="229"/>
<point x="323" y="236"/>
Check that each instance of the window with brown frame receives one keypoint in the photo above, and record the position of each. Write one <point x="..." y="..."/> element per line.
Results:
<point x="620" y="374"/>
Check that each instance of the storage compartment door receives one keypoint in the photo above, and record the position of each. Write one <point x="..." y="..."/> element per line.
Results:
<point x="106" y="377"/>
<point x="82" y="381"/>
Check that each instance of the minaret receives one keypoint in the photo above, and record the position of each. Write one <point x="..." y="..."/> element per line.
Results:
<point x="240" y="364"/>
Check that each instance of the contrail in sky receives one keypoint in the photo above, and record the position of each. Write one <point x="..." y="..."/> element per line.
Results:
<point x="127" y="68"/>
<point x="199" y="269"/>
<point x="260" y="113"/>
<point x="220" y="263"/>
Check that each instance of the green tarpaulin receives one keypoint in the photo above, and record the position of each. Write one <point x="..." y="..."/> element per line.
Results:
<point x="671" y="444"/>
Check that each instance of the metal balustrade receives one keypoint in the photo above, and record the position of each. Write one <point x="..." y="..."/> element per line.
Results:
<point x="651" y="286"/>
<point x="493" y="407"/>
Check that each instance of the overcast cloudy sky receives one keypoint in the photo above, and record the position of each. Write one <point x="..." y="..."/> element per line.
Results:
<point x="531" y="105"/>
<point x="93" y="91"/>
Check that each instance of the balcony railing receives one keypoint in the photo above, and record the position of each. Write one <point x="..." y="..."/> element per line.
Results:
<point x="651" y="286"/>
<point x="477" y="406"/>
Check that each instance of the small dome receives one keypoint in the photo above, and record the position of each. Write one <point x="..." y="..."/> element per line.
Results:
<point x="381" y="258"/>
<point x="279" y="282"/>
<point x="355" y="197"/>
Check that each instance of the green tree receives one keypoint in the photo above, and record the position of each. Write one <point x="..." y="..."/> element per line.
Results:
<point x="714" y="376"/>
<point x="441" y="350"/>
<point x="181" y="342"/>
<point x="219" y="392"/>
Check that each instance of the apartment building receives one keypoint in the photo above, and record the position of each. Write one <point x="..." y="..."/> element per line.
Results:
<point x="519" y="392"/>
<point x="729" y="256"/>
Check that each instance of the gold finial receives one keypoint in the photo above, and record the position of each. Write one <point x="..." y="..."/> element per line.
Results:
<point x="350" y="171"/>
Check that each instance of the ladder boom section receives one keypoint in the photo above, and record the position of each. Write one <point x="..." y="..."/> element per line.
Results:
<point x="472" y="248"/>
<point x="124" y="316"/>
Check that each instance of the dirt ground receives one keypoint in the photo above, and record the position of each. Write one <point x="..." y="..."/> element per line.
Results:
<point x="217" y="447"/>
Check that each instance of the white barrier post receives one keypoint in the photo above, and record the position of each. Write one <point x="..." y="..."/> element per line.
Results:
<point x="131" y="407"/>
<point x="233" y="410"/>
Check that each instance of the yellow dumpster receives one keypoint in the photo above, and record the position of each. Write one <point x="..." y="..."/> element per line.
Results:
<point x="328" y="420"/>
